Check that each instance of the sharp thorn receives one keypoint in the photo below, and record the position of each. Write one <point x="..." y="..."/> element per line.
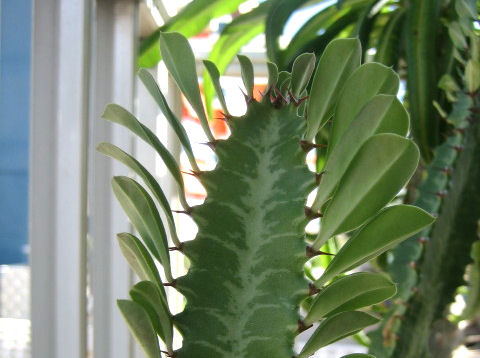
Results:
<point x="307" y="146"/>
<point x="441" y="193"/>
<point x="458" y="148"/>
<point x="212" y="144"/>
<point x="318" y="177"/>
<point x="300" y="101"/>
<point x="459" y="130"/>
<point x="170" y="284"/>
<point x="310" y="252"/>
<point x="310" y="214"/>
<point x="302" y="326"/>
<point x="187" y="211"/>
<point x="279" y="94"/>
<point x="445" y="170"/>
<point x="312" y="289"/>
<point x="176" y="248"/>
<point x="247" y="98"/>
<point x="226" y="115"/>
<point x="194" y="173"/>
<point x="423" y="239"/>
<point x="268" y="91"/>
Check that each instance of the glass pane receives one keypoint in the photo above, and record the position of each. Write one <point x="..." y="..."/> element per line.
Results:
<point x="15" y="28"/>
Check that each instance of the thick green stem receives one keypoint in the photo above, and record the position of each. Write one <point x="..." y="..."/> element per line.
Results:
<point x="246" y="281"/>
<point x="447" y="253"/>
<point x="422" y="29"/>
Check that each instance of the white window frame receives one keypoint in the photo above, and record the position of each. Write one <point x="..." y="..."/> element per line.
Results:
<point x="74" y="73"/>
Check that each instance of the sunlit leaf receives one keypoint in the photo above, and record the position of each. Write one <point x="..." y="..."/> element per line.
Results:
<point x="371" y="181"/>
<point x="391" y="226"/>
<point x="339" y="60"/>
<point x="140" y="326"/>
<point x="335" y="328"/>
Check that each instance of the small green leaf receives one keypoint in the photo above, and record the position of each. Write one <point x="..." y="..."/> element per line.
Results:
<point x="282" y="77"/>
<point x="301" y="72"/>
<point x="246" y="67"/>
<point x="350" y="293"/>
<point x="456" y="35"/>
<point x="180" y="62"/>
<point x="472" y="75"/>
<point x="340" y="58"/>
<point x="335" y="328"/>
<point x="373" y="78"/>
<point x="450" y="86"/>
<point x="439" y="109"/>
<point x="140" y="326"/>
<point x="467" y="9"/>
<point x="140" y="260"/>
<point x="148" y="296"/>
<point x="384" y="231"/>
<point x="371" y="181"/>
<point x="149" y="180"/>
<point x="177" y="127"/>
<point x="383" y="114"/>
<point x="215" y="77"/>
<point x="272" y="75"/>
<point x="143" y="214"/>
<point x="117" y="114"/>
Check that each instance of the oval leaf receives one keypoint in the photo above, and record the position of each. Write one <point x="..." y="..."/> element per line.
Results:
<point x="340" y="58"/>
<point x="149" y="180"/>
<point x="301" y="72"/>
<point x="472" y="75"/>
<point x="382" y="114"/>
<point x="180" y="62"/>
<point x="391" y="226"/>
<point x="380" y="169"/>
<point x="143" y="214"/>
<point x="372" y="79"/>
<point x="148" y="296"/>
<point x="141" y="327"/>
<point x="117" y="114"/>
<point x="335" y="328"/>
<point x="350" y="293"/>
<point x="246" y="68"/>
<point x="272" y="75"/>
<point x="140" y="260"/>
<point x="177" y="127"/>
<point x="215" y="77"/>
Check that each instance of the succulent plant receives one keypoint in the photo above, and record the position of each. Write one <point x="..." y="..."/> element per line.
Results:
<point x="245" y="283"/>
<point x="430" y="266"/>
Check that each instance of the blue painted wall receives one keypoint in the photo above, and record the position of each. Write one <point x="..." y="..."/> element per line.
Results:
<point x="15" y="35"/>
